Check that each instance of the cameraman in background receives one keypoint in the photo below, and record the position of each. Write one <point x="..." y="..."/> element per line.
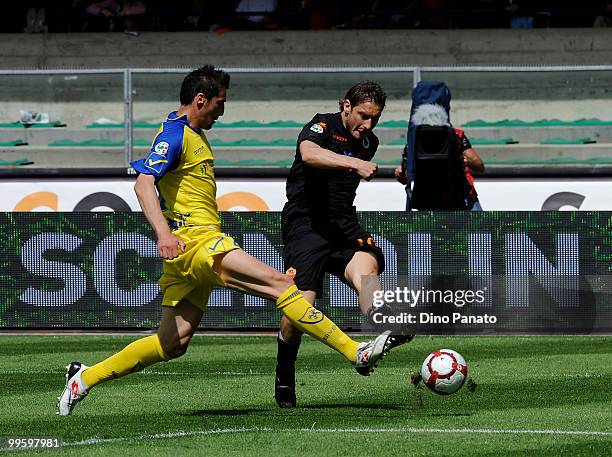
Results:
<point x="438" y="160"/>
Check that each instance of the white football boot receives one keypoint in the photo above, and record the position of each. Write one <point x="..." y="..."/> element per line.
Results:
<point x="75" y="389"/>
<point x="371" y="352"/>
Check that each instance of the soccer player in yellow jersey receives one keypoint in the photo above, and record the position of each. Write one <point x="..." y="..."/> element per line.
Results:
<point x="177" y="192"/>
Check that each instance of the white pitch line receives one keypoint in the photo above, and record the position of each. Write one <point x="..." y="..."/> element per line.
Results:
<point x="161" y="436"/>
<point x="485" y="431"/>
<point x="482" y="431"/>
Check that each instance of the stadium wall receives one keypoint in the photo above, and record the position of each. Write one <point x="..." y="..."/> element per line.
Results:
<point x="268" y="194"/>
<point x="311" y="49"/>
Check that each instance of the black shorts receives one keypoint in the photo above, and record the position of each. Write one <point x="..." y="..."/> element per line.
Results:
<point x="308" y="256"/>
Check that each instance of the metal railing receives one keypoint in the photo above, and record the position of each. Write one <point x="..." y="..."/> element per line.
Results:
<point x="415" y="73"/>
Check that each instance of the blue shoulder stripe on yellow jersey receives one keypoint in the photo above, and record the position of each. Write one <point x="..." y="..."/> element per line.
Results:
<point x="165" y="153"/>
<point x="182" y="163"/>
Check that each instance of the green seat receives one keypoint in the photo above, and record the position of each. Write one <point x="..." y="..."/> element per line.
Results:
<point x="474" y="141"/>
<point x="486" y="141"/>
<point x="232" y="125"/>
<point x="568" y="141"/>
<point x="13" y="163"/>
<point x="18" y="125"/>
<point x="393" y="124"/>
<point x="18" y="142"/>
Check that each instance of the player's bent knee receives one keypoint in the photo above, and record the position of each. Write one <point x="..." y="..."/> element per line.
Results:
<point x="370" y="270"/>
<point x="275" y="279"/>
<point x="175" y="348"/>
<point x="175" y="351"/>
<point x="281" y="282"/>
<point x="365" y="265"/>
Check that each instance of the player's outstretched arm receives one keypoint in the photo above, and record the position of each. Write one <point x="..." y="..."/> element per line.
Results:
<point x="315" y="156"/>
<point x="167" y="244"/>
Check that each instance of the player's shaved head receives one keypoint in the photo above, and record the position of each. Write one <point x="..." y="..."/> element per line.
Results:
<point x="366" y="91"/>
<point x="206" y="80"/>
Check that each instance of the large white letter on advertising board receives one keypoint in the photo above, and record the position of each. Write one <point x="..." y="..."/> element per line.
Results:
<point x="105" y="262"/>
<point x="74" y="279"/>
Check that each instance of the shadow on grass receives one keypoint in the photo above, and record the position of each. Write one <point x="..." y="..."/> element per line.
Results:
<point x="226" y="412"/>
<point x="353" y="405"/>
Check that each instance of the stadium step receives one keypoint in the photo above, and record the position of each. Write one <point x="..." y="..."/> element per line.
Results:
<point x="282" y="156"/>
<point x="593" y="122"/>
<point x="234" y="125"/>
<point x="68" y="143"/>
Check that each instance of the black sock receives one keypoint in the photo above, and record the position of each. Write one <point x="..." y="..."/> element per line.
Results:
<point x="285" y="361"/>
<point x="287" y="352"/>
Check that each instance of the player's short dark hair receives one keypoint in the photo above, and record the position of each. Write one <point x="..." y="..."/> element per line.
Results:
<point x="365" y="91"/>
<point x="206" y="80"/>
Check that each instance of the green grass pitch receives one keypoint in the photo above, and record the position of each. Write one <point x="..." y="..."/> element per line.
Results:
<point x="534" y="396"/>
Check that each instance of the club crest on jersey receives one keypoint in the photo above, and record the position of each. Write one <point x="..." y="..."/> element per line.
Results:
<point x="291" y="272"/>
<point x="319" y="127"/>
<point x="161" y="148"/>
<point x="311" y="316"/>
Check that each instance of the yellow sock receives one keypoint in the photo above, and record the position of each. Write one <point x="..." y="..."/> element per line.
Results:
<point x="134" y="357"/>
<point x="312" y="321"/>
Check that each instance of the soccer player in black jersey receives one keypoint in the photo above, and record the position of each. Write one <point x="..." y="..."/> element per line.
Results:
<point x="321" y="232"/>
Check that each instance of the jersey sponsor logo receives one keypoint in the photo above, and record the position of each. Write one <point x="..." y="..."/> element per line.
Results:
<point x="291" y="272"/>
<point x="158" y="157"/>
<point x="161" y="148"/>
<point x="311" y="316"/>
<point x="319" y="127"/>
<point x="180" y="220"/>
<point x="316" y="128"/>
<point x="340" y="138"/>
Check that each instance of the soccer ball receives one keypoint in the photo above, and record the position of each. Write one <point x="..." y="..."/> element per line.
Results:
<point x="444" y="371"/>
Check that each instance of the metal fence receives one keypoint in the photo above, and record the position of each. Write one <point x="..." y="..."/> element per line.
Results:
<point x="585" y="80"/>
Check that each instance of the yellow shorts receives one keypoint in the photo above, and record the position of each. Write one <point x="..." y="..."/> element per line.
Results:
<point x="191" y="276"/>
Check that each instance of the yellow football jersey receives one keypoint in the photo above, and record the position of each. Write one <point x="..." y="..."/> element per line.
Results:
<point x="181" y="160"/>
